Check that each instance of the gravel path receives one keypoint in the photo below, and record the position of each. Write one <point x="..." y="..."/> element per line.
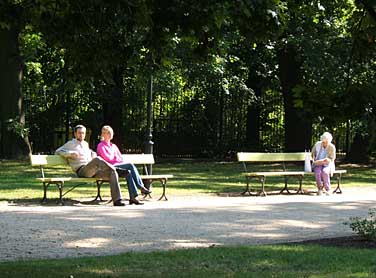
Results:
<point x="34" y="231"/>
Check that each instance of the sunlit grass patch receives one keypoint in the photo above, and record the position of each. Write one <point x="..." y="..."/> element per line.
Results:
<point x="234" y="261"/>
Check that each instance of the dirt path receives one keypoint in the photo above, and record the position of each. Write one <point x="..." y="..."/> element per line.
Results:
<point x="34" y="231"/>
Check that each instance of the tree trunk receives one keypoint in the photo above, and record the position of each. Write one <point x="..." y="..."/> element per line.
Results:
<point x="359" y="149"/>
<point x="253" y="123"/>
<point x="113" y="107"/>
<point x="298" y="127"/>
<point x="12" y="144"/>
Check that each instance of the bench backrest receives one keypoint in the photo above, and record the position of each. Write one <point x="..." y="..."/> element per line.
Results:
<point x="53" y="159"/>
<point x="50" y="160"/>
<point x="138" y="158"/>
<point x="270" y="157"/>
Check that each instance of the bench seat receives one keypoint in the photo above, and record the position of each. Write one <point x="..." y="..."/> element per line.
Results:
<point x="277" y="173"/>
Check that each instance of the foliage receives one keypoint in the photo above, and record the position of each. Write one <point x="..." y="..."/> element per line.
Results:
<point x="212" y="63"/>
<point x="365" y="227"/>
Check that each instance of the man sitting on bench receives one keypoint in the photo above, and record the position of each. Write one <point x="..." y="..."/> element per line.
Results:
<point x="86" y="164"/>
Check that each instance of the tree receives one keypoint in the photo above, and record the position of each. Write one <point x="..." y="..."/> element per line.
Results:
<point x="13" y="134"/>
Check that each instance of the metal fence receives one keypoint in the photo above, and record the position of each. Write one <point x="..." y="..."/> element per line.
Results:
<point x="191" y="124"/>
<point x="194" y="123"/>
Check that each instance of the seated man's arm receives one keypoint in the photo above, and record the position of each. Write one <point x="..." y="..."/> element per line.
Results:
<point x="67" y="151"/>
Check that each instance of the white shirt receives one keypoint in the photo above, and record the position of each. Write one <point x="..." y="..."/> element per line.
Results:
<point x="85" y="154"/>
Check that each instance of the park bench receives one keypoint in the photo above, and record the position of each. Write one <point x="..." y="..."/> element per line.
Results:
<point x="248" y="157"/>
<point x="47" y="161"/>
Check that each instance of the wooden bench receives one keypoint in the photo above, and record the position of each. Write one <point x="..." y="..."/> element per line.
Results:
<point x="47" y="161"/>
<point x="247" y="157"/>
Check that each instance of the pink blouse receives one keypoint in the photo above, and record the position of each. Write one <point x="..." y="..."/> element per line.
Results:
<point x="109" y="152"/>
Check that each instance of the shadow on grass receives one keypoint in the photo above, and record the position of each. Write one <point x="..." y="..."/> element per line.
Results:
<point x="53" y="202"/>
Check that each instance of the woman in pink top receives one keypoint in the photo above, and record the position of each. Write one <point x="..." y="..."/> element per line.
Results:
<point x="111" y="153"/>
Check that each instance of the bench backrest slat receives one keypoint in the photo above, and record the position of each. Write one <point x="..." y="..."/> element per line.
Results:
<point x="39" y="159"/>
<point x="270" y="157"/>
<point x="51" y="160"/>
<point x="138" y="158"/>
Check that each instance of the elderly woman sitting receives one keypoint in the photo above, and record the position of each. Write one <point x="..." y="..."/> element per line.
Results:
<point x="323" y="154"/>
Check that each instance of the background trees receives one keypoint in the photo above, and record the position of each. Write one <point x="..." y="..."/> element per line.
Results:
<point x="229" y="75"/>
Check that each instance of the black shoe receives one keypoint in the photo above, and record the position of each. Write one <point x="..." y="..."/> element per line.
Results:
<point x="145" y="191"/>
<point x="119" y="203"/>
<point x="122" y="172"/>
<point x="135" y="201"/>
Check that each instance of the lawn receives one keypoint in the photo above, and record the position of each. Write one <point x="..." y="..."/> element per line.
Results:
<point x="191" y="177"/>
<point x="245" y="261"/>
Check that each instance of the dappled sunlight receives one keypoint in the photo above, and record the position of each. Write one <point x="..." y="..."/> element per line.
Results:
<point x="102" y="227"/>
<point x="82" y="218"/>
<point x="344" y="207"/>
<point x="190" y="243"/>
<point x="301" y="223"/>
<point x="93" y="242"/>
<point x="125" y="214"/>
<point x="52" y="233"/>
<point x="100" y="272"/>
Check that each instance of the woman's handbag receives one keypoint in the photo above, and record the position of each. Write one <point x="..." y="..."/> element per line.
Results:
<point x="307" y="162"/>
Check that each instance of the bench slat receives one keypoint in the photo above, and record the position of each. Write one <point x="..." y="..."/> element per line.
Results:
<point x="145" y="177"/>
<point x="138" y="158"/>
<point x="291" y="173"/>
<point x="270" y="157"/>
<point x="335" y="172"/>
<point x="73" y="179"/>
<point x="51" y="160"/>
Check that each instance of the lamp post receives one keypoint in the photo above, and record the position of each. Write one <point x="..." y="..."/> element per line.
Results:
<point x="148" y="136"/>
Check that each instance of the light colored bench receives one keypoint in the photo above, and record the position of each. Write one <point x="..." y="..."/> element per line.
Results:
<point x="248" y="157"/>
<point x="47" y="161"/>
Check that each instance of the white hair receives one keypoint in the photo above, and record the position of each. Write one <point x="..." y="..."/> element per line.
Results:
<point x="327" y="136"/>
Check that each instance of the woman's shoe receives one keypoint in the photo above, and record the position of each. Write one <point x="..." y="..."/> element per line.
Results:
<point x="135" y="201"/>
<point x="145" y="191"/>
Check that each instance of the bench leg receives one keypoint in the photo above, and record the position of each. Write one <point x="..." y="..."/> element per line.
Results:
<point x="99" y="184"/>
<point x="60" y="186"/>
<point x="262" y="192"/>
<point x="300" y="190"/>
<point x="45" y="185"/>
<point x="338" y="188"/>
<point x="285" y="188"/>
<point x="247" y="188"/>
<point x="163" y="196"/>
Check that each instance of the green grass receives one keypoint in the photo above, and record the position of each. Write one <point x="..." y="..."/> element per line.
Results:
<point x="17" y="181"/>
<point x="254" y="261"/>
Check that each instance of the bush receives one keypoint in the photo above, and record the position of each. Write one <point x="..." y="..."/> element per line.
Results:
<point x="365" y="227"/>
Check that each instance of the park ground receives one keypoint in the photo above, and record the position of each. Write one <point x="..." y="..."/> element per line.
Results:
<point x="197" y="216"/>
